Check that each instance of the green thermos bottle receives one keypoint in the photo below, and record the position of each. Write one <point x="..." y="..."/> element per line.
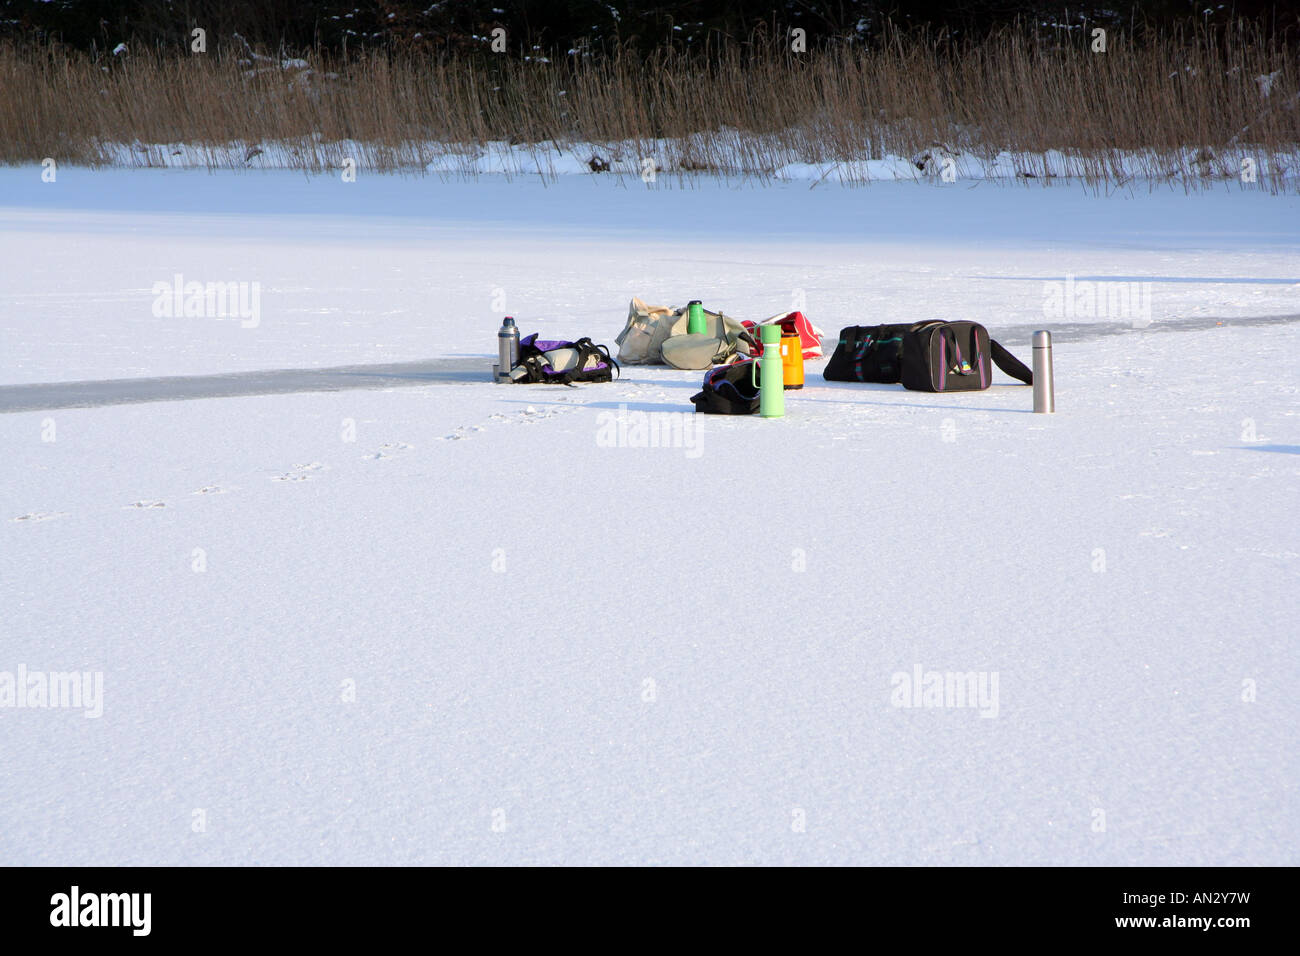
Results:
<point x="769" y="374"/>
<point x="696" y="323"/>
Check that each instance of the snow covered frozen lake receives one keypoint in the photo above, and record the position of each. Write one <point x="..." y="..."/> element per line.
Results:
<point x="343" y="600"/>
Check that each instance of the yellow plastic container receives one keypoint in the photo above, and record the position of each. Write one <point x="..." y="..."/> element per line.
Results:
<point x="792" y="360"/>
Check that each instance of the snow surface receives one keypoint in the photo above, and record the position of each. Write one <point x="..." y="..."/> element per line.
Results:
<point x="564" y="652"/>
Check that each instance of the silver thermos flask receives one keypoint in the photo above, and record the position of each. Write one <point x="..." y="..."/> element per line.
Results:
<point x="1044" y="387"/>
<point x="507" y="349"/>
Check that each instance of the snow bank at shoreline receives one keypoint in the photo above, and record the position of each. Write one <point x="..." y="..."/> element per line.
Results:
<point x="728" y="155"/>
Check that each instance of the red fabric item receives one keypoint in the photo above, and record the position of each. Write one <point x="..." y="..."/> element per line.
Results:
<point x="792" y="323"/>
<point x="809" y="337"/>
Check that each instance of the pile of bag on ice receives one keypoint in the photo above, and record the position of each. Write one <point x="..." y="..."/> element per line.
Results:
<point x="657" y="335"/>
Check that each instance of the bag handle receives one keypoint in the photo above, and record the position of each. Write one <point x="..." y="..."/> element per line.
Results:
<point x="1001" y="357"/>
<point x="858" y="353"/>
<point x="956" y="361"/>
<point x="1010" y="364"/>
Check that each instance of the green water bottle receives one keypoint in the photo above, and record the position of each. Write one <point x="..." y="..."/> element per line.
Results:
<point x="769" y="374"/>
<point x="696" y="323"/>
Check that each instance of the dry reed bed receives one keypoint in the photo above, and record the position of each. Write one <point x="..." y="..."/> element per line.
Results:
<point x="1140" y="110"/>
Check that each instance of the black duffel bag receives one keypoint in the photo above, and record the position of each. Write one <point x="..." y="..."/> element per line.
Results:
<point x="922" y="356"/>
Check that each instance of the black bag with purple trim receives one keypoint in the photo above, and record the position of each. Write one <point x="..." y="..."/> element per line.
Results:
<point x="924" y="356"/>
<point x="562" y="362"/>
<point x="728" y="390"/>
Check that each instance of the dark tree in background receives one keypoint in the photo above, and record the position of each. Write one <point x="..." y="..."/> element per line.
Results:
<point x="575" y="27"/>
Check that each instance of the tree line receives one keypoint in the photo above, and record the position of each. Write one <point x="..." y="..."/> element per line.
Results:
<point x="587" y="27"/>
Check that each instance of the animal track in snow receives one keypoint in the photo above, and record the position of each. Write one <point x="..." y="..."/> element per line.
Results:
<point x="147" y="504"/>
<point x="211" y="490"/>
<point x="41" y="516"/>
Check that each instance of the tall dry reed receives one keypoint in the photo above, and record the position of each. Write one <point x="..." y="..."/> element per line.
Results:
<point x="1187" y="105"/>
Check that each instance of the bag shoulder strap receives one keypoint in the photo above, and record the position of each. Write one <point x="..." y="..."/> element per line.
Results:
<point x="1009" y="363"/>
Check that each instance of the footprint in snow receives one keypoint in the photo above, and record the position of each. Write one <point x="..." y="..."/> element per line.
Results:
<point x="463" y="431"/>
<point x="530" y="414"/>
<point x="211" y="490"/>
<point x="147" y="504"/>
<point x="526" y="416"/>
<point x="41" y="516"/>
<point x="386" y="450"/>
<point x="299" y="472"/>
